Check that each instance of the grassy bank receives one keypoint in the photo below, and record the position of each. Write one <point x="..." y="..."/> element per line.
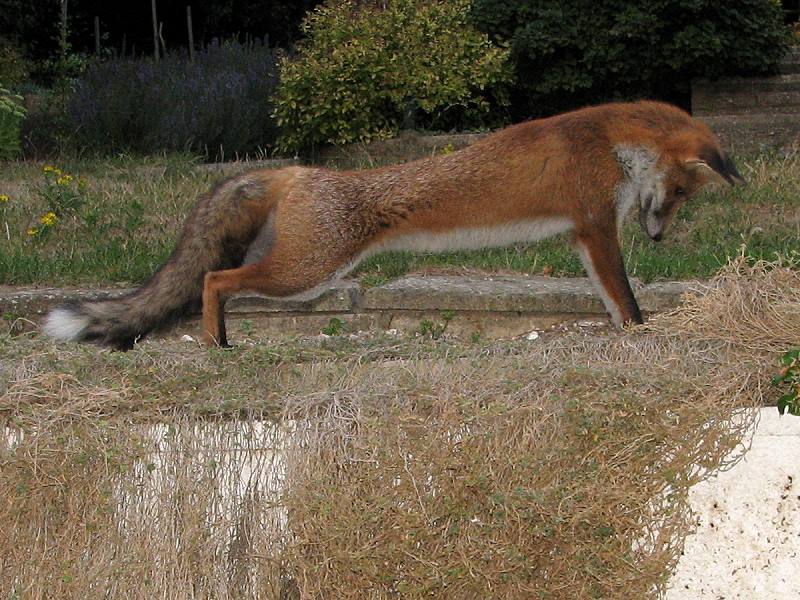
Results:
<point x="126" y="215"/>
<point x="383" y="466"/>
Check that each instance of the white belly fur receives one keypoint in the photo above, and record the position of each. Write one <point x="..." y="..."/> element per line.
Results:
<point x="471" y="238"/>
<point x="474" y="238"/>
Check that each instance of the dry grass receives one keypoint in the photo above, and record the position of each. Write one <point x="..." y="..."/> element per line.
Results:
<point x="385" y="469"/>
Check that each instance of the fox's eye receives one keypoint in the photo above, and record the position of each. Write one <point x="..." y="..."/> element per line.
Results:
<point x="679" y="191"/>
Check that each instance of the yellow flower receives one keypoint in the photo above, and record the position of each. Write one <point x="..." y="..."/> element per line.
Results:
<point x="48" y="169"/>
<point x="32" y="231"/>
<point x="3" y="198"/>
<point x="48" y="219"/>
<point x="82" y="184"/>
<point x="64" y="180"/>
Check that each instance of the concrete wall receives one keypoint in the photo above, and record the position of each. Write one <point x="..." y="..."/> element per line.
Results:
<point x="747" y="542"/>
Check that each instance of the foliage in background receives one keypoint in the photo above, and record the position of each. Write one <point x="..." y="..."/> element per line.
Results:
<point x="789" y="379"/>
<point x="13" y="66"/>
<point x="218" y="105"/>
<point x="34" y="26"/>
<point x="362" y="66"/>
<point x="568" y="54"/>
<point x="11" y="114"/>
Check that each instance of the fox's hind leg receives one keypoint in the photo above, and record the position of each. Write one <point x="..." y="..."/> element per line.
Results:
<point x="217" y="288"/>
<point x="270" y="276"/>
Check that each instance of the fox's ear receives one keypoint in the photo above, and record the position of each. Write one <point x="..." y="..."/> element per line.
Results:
<point x="697" y="164"/>
<point x="718" y="167"/>
<point x="702" y="168"/>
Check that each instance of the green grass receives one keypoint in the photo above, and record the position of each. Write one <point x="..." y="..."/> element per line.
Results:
<point x="132" y="210"/>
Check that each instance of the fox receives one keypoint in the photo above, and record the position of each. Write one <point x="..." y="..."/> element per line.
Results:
<point x="290" y="232"/>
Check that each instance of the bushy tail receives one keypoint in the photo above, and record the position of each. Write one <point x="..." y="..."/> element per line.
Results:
<point x="215" y="236"/>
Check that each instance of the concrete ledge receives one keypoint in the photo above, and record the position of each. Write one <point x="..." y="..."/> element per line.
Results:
<point x="495" y="305"/>
<point x="486" y="293"/>
<point x="342" y="296"/>
<point x="30" y="302"/>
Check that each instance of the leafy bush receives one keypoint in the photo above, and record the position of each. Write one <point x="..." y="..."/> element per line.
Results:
<point x="218" y="104"/>
<point x="13" y="66"/>
<point x="568" y="54"/>
<point x="11" y="115"/>
<point x="362" y="66"/>
<point x="47" y="130"/>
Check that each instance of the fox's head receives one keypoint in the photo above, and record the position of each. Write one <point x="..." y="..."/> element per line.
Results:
<point x="688" y="161"/>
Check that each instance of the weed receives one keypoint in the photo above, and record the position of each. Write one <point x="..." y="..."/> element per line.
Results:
<point x="789" y="378"/>
<point x="334" y="327"/>
<point x="246" y="327"/>
<point x="431" y="329"/>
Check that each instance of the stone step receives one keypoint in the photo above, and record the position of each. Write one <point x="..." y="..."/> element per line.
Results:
<point x="482" y="302"/>
<point x="768" y="103"/>
<point x="740" y="95"/>
<point x="771" y="83"/>
<point x="789" y="68"/>
<point x="504" y="293"/>
<point x="748" y="133"/>
<point x="790" y="63"/>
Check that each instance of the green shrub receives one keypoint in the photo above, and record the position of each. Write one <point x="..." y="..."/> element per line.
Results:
<point x="13" y="66"/>
<point x="11" y="115"/>
<point x="217" y="104"/>
<point x="48" y="131"/>
<point x="568" y="54"/>
<point x="361" y="66"/>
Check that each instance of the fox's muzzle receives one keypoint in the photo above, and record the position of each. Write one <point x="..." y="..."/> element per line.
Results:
<point x="650" y="220"/>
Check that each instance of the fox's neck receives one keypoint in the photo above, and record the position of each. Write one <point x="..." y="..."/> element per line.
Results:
<point x="642" y="181"/>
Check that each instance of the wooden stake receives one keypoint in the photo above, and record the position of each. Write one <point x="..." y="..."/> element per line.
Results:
<point x="63" y="37"/>
<point x="161" y="38"/>
<point x="155" y="29"/>
<point x="191" y="33"/>
<point x="97" y="35"/>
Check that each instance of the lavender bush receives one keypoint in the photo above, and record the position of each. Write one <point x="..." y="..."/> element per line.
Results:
<point x="218" y="105"/>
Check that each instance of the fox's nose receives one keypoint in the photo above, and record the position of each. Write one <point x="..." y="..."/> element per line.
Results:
<point x="657" y="237"/>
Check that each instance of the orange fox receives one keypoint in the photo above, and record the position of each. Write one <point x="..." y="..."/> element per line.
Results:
<point x="288" y="232"/>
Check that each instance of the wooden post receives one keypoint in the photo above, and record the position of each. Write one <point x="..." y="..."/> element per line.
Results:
<point x="97" y="35"/>
<point x="155" y="29"/>
<point x="161" y="38"/>
<point x="124" y="43"/>
<point x="62" y="42"/>
<point x="191" y="33"/>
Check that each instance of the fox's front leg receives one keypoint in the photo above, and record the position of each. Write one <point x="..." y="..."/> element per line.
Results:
<point x="602" y="258"/>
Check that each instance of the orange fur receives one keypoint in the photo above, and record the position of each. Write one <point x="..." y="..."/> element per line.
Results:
<point x="578" y="171"/>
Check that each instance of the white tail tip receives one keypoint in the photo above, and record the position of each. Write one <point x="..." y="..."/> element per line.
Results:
<point x="65" y="324"/>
